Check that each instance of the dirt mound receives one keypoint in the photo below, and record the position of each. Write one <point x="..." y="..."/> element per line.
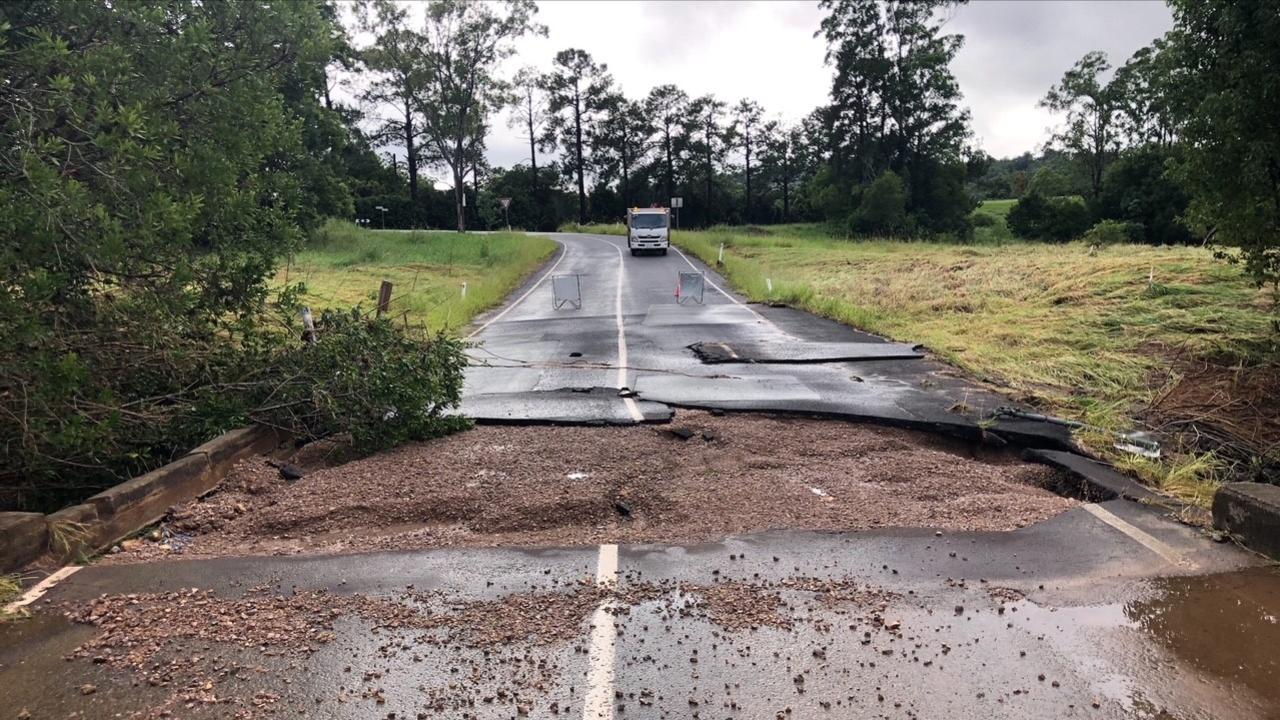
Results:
<point x="722" y="475"/>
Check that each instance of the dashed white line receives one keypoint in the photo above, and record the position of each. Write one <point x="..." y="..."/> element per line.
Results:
<point x="598" y="704"/>
<point x="1142" y="537"/>
<point x="564" y="251"/>
<point x="40" y="588"/>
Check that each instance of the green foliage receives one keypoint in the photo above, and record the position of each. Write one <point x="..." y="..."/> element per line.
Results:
<point x="883" y="207"/>
<point x="365" y="377"/>
<point x="159" y="160"/>
<point x="1227" y="97"/>
<point x="1113" y="232"/>
<point x="1137" y="189"/>
<point x="1035" y="217"/>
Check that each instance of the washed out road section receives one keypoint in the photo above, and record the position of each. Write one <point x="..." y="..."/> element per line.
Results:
<point x="702" y="477"/>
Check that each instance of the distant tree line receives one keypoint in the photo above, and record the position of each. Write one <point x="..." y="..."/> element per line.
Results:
<point x="1179" y="144"/>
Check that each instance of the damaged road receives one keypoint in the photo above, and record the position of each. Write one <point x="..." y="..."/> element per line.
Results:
<point x="596" y="549"/>
<point x="631" y="335"/>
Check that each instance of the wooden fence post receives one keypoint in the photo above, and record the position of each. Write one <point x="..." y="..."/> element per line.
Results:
<point x="384" y="297"/>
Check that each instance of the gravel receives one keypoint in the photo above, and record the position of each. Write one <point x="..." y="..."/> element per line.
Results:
<point x="563" y="486"/>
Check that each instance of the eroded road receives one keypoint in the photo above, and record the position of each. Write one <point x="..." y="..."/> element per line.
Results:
<point x="1104" y="610"/>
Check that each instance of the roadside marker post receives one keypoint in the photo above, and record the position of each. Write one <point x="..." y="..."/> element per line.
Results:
<point x="464" y="290"/>
<point x="720" y="257"/>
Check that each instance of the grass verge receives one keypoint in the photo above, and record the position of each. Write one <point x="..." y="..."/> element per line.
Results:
<point x="1105" y="336"/>
<point x="345" y="265"/>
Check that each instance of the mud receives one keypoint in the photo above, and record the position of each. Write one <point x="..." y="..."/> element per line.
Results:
<point x="702" y="478"/>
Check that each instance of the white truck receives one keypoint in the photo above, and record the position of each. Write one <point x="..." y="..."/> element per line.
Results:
<point x="648" y="229"/>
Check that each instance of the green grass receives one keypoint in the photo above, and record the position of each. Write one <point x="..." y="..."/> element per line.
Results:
<point x="345" y="265"/>
<point x="1081" y="333"/>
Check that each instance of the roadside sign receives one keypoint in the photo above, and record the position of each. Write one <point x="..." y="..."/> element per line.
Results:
<point x="677" y="202"/>
<point x="506" y="202"/>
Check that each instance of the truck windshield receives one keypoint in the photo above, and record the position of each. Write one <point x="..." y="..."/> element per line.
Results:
<point x="648" y="221"/>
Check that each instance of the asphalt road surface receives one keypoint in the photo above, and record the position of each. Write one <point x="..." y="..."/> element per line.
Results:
<point x="1109" y="610"/>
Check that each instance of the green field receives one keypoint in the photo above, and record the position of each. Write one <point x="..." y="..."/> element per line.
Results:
<point x="1093" y="335"/>
<point x="345" y="265"/>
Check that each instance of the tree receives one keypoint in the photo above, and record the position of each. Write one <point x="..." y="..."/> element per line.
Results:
<point x="855" y="34"/>
<point x="575" y="87"/>
<point x="1142" y="90"/>
<point x="462" y="46"/>
<point x="620" y="142"/>
<point x="667" y="106"/>
<point x="882" y="208"/>
<point x="1227" y="102"/>
<point x="395" y="59"/>
<point x="779" y="160"/>
<point x="747" y="115"/>
<point x="531" y="116"/>
<point x="1090" y="108"/>
<point x="1137" y="189"/>
<point x="710" y="144"/>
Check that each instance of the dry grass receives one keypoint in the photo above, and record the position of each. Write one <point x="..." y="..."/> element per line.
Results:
<point x="1086" y="333"/>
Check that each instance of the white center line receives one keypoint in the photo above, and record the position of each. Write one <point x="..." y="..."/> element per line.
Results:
<point x="598" y="704"/>
<point x="632" y="408"/>
<point x="1143" y="538"/>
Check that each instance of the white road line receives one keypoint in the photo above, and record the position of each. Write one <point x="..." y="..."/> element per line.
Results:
<point x="1143" y="538"/>
<point x="598" y="704"/>
<point x="718" y="289"/>
<point x="564" y="250"/>
<point x="40" y="588"/>
<point x="632" y="408"/>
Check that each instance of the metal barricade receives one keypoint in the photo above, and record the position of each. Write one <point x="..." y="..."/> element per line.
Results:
<point x="690" y="287"/>
<point x="566" y="290"/>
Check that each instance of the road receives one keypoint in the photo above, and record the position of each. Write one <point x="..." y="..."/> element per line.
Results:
<point x="1109" y="610"/>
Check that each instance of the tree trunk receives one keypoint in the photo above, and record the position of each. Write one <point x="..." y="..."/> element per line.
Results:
<point x="411" y="160"/>
<point x="626" y="185"/>
<point x="577" y="141"/>
<point x="475" y="188"/>
<point x="671" y="188"/>
<point x="747" y="147"/>
<point x="786" y="184"/>
<point x="458" y="190"/>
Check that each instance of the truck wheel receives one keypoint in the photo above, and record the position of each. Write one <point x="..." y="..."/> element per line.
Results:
<point x="633" y="252"/>
<point x="663" y="251"/>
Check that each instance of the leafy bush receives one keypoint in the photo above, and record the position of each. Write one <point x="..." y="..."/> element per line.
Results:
<point x="982" y="220"/>
<point x="158" y="161"/>
<point x="1137" y="189"/>
<point x="883" y="206"/>
<point x="1035" y="217"/>
<point x="1113" y="232"/>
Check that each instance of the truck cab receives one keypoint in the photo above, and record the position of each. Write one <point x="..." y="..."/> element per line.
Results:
<point x="648" y="229"/>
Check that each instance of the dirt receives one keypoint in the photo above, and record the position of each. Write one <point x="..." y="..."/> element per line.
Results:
<point x="698" y="479"/>
<point x="206" y="649"/>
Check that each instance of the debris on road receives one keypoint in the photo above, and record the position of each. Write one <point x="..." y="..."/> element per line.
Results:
<point x="539" y="486"/>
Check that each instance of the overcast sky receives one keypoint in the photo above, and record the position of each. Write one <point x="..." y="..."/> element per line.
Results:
<point x="1013" y="51"/>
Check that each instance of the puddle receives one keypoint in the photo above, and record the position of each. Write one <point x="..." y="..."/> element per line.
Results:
<point x="1225" y="626"/>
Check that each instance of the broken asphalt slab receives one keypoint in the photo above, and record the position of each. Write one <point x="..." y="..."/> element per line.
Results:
<point x="807" y="352"/>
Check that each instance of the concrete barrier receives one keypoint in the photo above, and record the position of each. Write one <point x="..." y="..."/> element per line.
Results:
<point x="121" y="510"/>
<point x="1250" y="512"/>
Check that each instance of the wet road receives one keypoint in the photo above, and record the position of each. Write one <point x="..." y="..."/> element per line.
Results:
<point x="537" y="362"/>
<point x="1109" y="610"/>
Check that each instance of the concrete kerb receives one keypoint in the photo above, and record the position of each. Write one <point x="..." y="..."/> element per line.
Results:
<point x="1250" y="513"/>
<point x="119" y="511"/>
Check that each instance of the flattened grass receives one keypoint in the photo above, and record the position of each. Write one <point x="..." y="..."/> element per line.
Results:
<point x="346" y="264"/>
<point x="1085" y="334"/>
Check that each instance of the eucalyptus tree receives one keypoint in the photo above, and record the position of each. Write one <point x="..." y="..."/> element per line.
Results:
<point x="576" y="86"/>
<point x="462" y="47"/>
<point x="396" y="80"/>
<point x="531" y="114"/>
<point x="1090" y="105"/>
<point x="667" y="106"/>
<point x="620" y="142"/>
<point x="747" y="118"/>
